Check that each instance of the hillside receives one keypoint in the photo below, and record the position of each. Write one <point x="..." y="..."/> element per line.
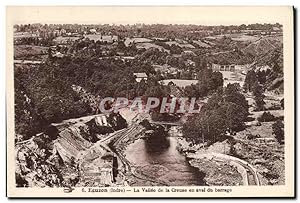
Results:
<point x="263" y="46"/>
<point x="232" y="57"/>
<point x="28" y="51"/>
<point x="48" y="159"/>
<point x="268" y="69"/>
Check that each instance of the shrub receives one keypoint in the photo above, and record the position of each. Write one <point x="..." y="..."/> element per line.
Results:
<point x="278" y="131"/>
<point x="266" y="117"/>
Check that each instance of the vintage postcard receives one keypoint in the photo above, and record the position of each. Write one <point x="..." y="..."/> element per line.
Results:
<point x="132" y="101"/>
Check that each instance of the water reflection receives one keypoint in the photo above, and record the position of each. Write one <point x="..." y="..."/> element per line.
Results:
<point x="160" y="156"/>
<point x="157" y="144"/>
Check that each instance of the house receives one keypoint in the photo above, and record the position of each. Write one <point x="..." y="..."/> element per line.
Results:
<point x="178" y="82"/>
<point x="93" y="31"/>
<point x="262" y="68"/>
<point x="190" y="63"/>
<point x="165" y="69"/>
<point x="277" y="29"/>
<point x="58" y="55"/>
<point x="140" y="76"/>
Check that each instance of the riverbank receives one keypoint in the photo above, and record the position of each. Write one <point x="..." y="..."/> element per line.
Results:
<point x="219" y="172"/>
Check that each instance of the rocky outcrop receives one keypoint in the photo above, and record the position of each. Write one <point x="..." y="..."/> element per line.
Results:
<point x="50" y="158"/>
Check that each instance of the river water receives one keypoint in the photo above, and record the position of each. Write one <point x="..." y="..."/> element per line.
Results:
<point x="161" y="160"/>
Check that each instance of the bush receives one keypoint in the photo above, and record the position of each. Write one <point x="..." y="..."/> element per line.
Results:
<point x="266" y="117"/>
<point x="278" y="131"/>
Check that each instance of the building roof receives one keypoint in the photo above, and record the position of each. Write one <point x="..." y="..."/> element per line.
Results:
<point x="140" y="75"/>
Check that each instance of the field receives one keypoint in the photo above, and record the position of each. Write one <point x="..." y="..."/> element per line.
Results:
<point x="148" y="45"/>
<point x="180" y="83"/>
<point x="202" y="44"/>
<point x="236" y="37"/>
<point x="103" y="38"/>
<point x="64" y="40"/>
<point x="21" y="51"/>
<point x="136" y="40"/>
<point x="245" y="38"/>
<point x="188" y="46"/>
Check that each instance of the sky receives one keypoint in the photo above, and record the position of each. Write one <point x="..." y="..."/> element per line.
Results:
<point x="149" y="15"/>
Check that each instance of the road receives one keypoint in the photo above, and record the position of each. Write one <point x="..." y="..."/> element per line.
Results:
<point x="249" y="178"/>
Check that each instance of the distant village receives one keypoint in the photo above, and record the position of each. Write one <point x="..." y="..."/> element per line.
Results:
<point x="63" y="36"/>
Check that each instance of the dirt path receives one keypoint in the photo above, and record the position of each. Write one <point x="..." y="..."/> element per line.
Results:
<point x="247" y="171"/>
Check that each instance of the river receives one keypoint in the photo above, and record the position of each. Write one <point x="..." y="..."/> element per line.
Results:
<point x="161" y="160"/>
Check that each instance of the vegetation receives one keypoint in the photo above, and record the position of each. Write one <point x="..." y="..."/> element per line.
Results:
<point x="278" y="131"/>
<point x="266" y="117"/>
<point x="225" y="111"/>
<point x="209" y="82"/>
<point x="282" y="103"/>
<point x="43" y="96"/>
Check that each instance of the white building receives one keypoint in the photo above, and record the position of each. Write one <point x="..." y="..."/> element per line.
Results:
<point x="140" y="76"/>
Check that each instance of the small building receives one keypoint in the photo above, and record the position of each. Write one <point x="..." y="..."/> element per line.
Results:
<point x="93" y="31"/>
<point x="276" y="29"/>
<point x="127" y="58"/>
<point x="165" y="69"/>
<point x="263" y="68"/>
<point x="140" y="76"/>
<point x="190" y="63"/>
<point x="58" y="55"/>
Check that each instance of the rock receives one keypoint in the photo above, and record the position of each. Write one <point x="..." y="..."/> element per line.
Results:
<point x="259" y="161"/>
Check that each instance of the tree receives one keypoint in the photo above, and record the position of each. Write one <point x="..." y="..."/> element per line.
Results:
<point x="217" y="79"/>
<point x="257" y="89"/>
<point x="278" y="131"/>
<point x="209" y="82"/>
<point x="50" y="54"/>
<point x="262" y="76"/>
<point x="155" y="91"/>
<point x="235" y="116"/>
<point x="282" y="103"/>
<point x="260" y="103"/>
<point x="233" y="94"/>
<point x="258" y="96"/>
<point x="250" y="80"/>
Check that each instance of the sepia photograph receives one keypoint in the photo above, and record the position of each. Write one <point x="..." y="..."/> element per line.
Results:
<point x="150" y="102"/>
